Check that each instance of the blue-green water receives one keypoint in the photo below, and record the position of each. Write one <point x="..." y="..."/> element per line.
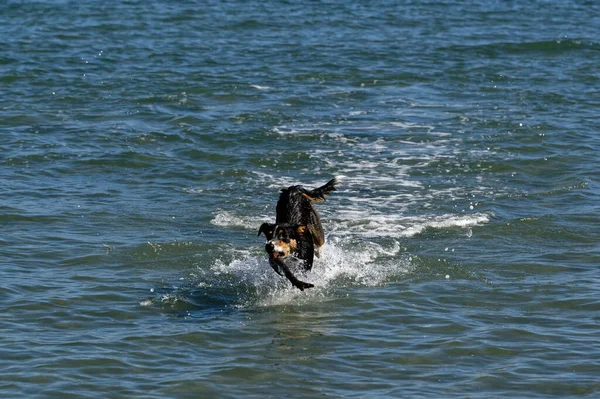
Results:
<point x="144" y="142"/>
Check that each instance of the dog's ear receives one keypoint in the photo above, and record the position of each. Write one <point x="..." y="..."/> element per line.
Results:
<point x="267" y="230"/>
<point x="300" y="230"/>
<point x="317" y="237"/>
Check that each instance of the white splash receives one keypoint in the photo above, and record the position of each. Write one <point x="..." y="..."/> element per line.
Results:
<point x="343" y="264"/>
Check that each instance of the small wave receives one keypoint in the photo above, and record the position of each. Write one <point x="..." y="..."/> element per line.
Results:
<point x="549" y="47"/>
<point x="368" y="225"/>
<point x="227" y="219"/>
<point x="261" y="87"/>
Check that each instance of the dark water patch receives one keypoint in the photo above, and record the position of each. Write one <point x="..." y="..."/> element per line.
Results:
<point x="558" y="47"/>
<point x="164" y="251"/>
<point x="126" y="159"/>
<point x="203" y="156"/>
<point x="33" y="219"/>
<point x="201" y="303"/>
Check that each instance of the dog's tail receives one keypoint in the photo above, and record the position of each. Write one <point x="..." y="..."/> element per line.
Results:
<point x="318" y="194"/>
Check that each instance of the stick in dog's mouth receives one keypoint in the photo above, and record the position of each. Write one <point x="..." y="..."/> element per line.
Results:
<point x="279" y="265"/>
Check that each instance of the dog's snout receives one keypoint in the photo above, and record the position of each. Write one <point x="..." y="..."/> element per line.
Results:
<point x="275" y="248"/>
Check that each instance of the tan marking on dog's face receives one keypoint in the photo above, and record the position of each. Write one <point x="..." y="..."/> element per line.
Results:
<point x="293" y="245"/>
<point x="282" y="248"/>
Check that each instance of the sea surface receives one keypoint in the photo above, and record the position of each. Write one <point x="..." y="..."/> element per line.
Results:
<point x="142" y="144"/>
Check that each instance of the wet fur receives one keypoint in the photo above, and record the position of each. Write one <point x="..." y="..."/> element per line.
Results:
<point x="297" y="230"/>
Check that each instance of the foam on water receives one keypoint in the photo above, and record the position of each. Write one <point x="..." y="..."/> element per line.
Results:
<point x="366" y="224"/>
<point x="275" y="182"/>
<point x="378" y="225"/>
<point x="224" y="218"/>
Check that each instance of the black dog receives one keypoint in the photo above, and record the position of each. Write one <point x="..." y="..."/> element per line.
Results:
<point x="297" y="233"/>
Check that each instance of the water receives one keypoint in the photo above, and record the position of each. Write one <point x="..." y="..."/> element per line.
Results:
<point x="144" y="142"/>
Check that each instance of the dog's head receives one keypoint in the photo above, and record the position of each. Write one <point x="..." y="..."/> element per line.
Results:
<point x="282" y="239"/>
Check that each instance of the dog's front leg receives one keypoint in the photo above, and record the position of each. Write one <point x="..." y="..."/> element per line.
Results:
<point x="301" y="285"/>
